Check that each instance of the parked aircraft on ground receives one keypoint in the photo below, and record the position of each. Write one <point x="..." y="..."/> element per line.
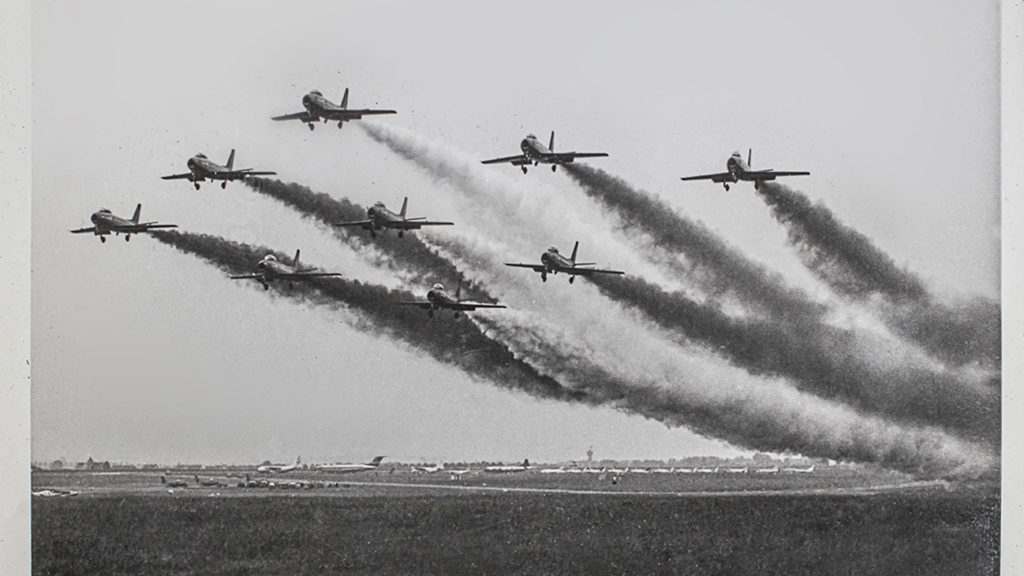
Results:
<point x="509" y="468"/>
<point x="173" y="483"/>
<point x="280" y="468"/>
<point x="350" y="467"/>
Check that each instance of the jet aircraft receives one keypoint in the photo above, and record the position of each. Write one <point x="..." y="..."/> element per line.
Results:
<point x="439" y="299"/>
<point x="346" y="467"/>
<point x="506" y="468"/>
<point x="380" y="218"/>
<point x="534" y="152"/>
<point x="173" y="483"/>
<point x="105" y="223"/>
<point x="737" y="169"/>
<point x="210" y="482"/>
<point x="279" y="468"/>
<point x="270" y="269"/>
<point x="429" y="469"/>
<point x="318" y="107"/>
<point x="202" y="169"/>
<point x="551" y="262"/>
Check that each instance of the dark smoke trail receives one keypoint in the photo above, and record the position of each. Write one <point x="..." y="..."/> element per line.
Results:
<point x="454" y="341"/>
<point x="821" y="359"/>
<point x="719" y="266"/>
<point x="409" y="253"/>
<point x="852" y="265"/>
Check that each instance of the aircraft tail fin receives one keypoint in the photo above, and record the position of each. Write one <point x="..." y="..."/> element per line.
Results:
<point x="526" y="462"/>
<point x="376" y="461"/>
<point x="138" y="212"/>
<point x="405" y="204"/>
<point x="458" y="289"/>
<point x="551" y="143"/>
<point x="231" y="160"/>
<point x="750" y="153"/>
<point x="298" y="459"/>
<point x="344" y="99"/>
<point x="575" y="247"/>
<point x="295" y="264"/>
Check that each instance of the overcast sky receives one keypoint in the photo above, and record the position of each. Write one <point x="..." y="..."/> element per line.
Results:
<point x="141" y="353"/>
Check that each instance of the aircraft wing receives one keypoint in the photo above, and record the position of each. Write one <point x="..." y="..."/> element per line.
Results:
<point x="413" y="224"/>
<point x="771" y="174"/>
<point x="570" y="156"/>
<point x="515" y="160"/>
<point x="718" y="177"/>
<point x="584" y="271"/>
<point x="469" y="305"/>
<point x="310" y="274"/>
<point x="185" y="176"/>
<point x="420" y="303"/>
<point x="296" y="116"/>
<point x="252" y="275"/>
<point x="84" y="230"/>
<point x="354" y="223"/>
<point x="534" y="267"/>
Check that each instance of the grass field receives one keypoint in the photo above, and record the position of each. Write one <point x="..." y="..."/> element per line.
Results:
<point x="448" y="532"/>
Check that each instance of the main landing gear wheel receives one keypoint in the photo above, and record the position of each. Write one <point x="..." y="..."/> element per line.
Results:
<point x="103" y="239"/>
<point x="726" y="187"/>
<point x="756" y="184"/>
<point x="127" y="237"/>
<point x="572" y="279"/>
<point x="223" y="185"/>
<point x="341" y="125"/>
<point x="401" y="233"/>
<point x="543" y="277"/>
<point x="266" y="286"/>
<point x="196" y="185"/>
<point x="524" y="169"/>
<point x="311" y="127"/>
<point x="553" y="166"/>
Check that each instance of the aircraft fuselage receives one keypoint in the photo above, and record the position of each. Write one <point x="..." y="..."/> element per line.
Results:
<point x="105" y="221"/>
<point x="203" y="168"/>
<point x="534" y="150"/>
<point x="381" y="216"/>
<point x="555" y="262"/>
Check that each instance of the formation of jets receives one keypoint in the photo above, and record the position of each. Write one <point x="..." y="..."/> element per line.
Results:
<point x="440" y="299"/>
<point x="551" y="262"/>
<point x="269" y="269"/>
<point x="201" y="169"/>
<point x="534" y="152"/>
<point x="738" y="170"/>
<point x="380" y="218"/>
<point x="104" y="223"/>
<point x="317" y="107"/>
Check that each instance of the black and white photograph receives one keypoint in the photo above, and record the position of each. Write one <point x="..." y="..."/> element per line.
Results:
<point x="533" y="288"/>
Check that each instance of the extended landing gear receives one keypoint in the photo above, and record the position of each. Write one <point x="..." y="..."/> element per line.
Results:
<point x="223" y="184"/>
<point x="543" y="276"/>
<point x="401" y="233"/>
<point x="524" y="169"/>
<point x="341" y="125"/>
<point x="127" y="237"/>
<point x="311" y="127"/>
<point x="756" y="184"/>
<point x="572" y="279"/>
<point x="103" y="239"/>
<point x="726" y="187"/>
<point x="265" y="285"/>
<point x="553" y="166"/>
<point x="196" y="184"/>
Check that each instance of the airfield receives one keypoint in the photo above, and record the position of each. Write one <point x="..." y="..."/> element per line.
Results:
<point x="397" y="521"/>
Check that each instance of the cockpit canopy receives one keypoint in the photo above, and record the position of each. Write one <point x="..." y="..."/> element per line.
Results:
<point x="553" y="250"/>
<point x="438" y="286"/>
<point x="378" y="204"/>
<point x="270" y="258"/>
<point x="104" y="211"/>
<point x="531" y="137"/>
<point x="200" y="155"/>
<point x="737" y="154"/>
<point x="317" y="92"/>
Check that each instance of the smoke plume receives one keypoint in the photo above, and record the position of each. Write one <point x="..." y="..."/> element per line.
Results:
<point x="850" y="263"/>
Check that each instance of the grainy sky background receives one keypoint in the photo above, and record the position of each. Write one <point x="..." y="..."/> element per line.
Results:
<point x="141" y="353"/>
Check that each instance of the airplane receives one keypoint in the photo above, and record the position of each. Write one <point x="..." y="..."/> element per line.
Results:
<point x="797" y="470"/>
<point x="318" y="107"/>
<point x="553" y="262"/>
<point x="105" y="223"/>
<point x="53" y="492"/>
<point x="738" y="170"/>
<point x="429" y="469"/>
<point x="513" y="468"/>
<point x="380" y="218"/>
<point x="339" y="467"/>
<point x="534" y="152"/>
<point x="173" y="483"/>
<point x="439" y="298"/>
<point x="210" y="482"/>
<point x="202" y="169"/>
<point x="279" y="468"/>
<point x="270" y="269"/>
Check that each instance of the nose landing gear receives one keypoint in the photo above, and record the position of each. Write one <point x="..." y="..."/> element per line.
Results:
<point x="311" y="127"/>
<point x="726" y="187"/>
<point x="196" y="184"/>
<point x="524" y="169"/>
<point x="103" y="239"/>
